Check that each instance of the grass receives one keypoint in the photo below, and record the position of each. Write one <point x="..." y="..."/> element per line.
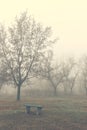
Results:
<point x="67" y="113"/>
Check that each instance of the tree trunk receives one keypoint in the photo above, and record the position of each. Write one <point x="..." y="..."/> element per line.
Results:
<point x="71" y="91"/>
<point x="65" y="90"/>
<point x="18" y="92"/>
<point x="55" y="91"/>
<point x="86" y="91"/>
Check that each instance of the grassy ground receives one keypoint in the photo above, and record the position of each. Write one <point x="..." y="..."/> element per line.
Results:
<point x="64" y="113"/>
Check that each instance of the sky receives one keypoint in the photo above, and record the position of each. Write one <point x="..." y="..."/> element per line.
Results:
<point x="68" y="19"/>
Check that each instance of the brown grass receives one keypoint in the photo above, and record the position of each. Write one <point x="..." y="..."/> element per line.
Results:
<point x="58" y="114"/>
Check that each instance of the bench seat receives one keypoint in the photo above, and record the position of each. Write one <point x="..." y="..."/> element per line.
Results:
<point x="38" y="108"/>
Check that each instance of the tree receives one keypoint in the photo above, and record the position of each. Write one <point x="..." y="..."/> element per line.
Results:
<point x="4" y="74"/>
<point x="71" y="82"/>
<point x="69" y="77"/>
<point x="84" y="73"/>
<point x="23" y="46"/>
<point x="51" y="72"/>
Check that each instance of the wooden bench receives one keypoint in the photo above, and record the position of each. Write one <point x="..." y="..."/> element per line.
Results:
<point x="38" y="108"/>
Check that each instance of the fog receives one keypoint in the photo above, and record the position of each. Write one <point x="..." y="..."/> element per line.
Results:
<point x="67" y="19"/>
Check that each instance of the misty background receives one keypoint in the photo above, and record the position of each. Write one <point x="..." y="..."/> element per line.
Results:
<point x="67" y="19"/>
<point x="69" y="24"/>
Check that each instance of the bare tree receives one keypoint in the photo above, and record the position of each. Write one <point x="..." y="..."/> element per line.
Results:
<point x="51" y="72"/>
<point x="68" y="80"/>
<point x="84" y="73"/>
<point x="71" y="81"/>
<point x="4" y="74"/>
<point x="23" y="46"/>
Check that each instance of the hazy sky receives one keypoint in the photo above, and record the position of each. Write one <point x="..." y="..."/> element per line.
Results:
<point x="68" y="19"/>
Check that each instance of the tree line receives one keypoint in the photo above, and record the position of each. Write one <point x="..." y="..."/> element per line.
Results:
<point x="26" y="52"/>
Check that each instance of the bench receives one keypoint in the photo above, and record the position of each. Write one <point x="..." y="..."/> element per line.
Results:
<point x="38" y="108"/>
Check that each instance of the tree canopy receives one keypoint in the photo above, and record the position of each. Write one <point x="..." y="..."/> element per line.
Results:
<point x="23" y="46"/>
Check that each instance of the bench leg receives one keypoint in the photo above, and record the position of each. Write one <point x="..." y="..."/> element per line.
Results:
<point x="38" y="112"/>
<point x="28" y="109"/>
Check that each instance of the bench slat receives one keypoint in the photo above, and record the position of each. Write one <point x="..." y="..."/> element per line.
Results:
<point x="31" y="105"/>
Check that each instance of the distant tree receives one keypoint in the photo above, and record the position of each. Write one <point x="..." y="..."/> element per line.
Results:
<point x="84" y="73"/>
<point x="4" y="74"/>
<point x="23" y="46"/>
<point x="71" y="82"/>
<point x="68" y="80"/>
<point x="51" y="72"/>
